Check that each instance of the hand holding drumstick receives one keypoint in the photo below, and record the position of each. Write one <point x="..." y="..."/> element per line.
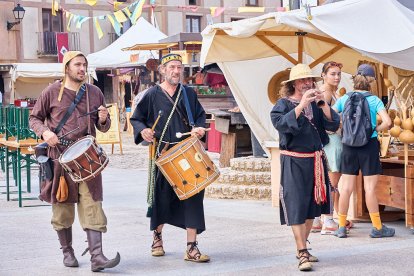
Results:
<point x="198" y="131"/>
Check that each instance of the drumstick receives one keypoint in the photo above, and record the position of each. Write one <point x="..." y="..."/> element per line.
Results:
<point x="156" y="120"/>
<point x="93" y="111"/>
<point x="179" y="134"/>
<point x="152" y="150"/>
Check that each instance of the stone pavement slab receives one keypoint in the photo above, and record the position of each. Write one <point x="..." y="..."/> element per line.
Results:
<point x="242" y="238"/>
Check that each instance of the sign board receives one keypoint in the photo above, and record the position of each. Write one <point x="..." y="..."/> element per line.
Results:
<point x="112" y="136"/>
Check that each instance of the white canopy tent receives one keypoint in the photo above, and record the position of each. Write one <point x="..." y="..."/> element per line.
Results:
<point x="251" y="51"/>
<point x="30" y="79"/>
<point x="113" y="57"/>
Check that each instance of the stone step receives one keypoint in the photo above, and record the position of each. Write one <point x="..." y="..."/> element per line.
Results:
<point x="229" y="191"/>
<point x="244" y="178"/>
<point x="250" y="163"/>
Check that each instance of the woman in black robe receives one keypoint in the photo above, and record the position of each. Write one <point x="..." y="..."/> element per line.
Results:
<point x="301" y="124"/>
<point x="167" y="208"/>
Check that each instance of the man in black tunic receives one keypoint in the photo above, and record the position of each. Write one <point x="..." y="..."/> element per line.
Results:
<point x="166" y="207"/>
<point x="301" y="117"/>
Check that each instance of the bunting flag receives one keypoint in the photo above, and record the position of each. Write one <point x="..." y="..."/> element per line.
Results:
<point x="69" y="16"/>
<point x="216" y="11"/>
<point x="117" y="4"/>
<point x="98" y="27"/>
<point x="127" y="12"/>
<point x="115" y="24"/>
<point x="250" y="9"/>
<point x="91" y="2"/>
<point x="134" y="10"/>
<point x="81" y="20"/>
<point x="120" y="16"/>
<point x="137" y="12"/>
<point x="55" y="7"/>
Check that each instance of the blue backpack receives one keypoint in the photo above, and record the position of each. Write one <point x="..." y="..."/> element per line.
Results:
<point x="356" y="120"/>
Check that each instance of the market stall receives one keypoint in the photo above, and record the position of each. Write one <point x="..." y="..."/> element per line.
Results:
<point x="251" y="51"/>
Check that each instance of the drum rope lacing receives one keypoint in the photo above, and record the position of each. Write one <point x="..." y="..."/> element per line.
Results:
<point x="151" y="183"/>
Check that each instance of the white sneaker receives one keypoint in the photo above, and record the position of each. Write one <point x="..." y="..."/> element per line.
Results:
<point x="329" y="227"/>
<point x="317" y="225"/>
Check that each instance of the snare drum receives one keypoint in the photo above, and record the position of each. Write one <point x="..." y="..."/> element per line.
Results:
<point x="84" y="159"/>
<point x="188" y="168"/>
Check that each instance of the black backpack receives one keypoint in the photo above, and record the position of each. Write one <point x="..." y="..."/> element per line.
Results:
<point x="356" y="120"/>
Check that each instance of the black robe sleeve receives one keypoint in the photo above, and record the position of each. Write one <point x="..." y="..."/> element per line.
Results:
<point x="284" y="118"/>
<point x="141" y="118"/>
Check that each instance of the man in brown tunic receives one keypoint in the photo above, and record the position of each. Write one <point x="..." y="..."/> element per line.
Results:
<point x="49" y="110"/>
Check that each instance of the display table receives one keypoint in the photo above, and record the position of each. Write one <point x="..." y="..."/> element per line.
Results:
<point x="393" y="190"/>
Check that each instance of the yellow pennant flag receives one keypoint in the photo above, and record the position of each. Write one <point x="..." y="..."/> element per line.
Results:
<point x="251" y="9"/>
<point x="91" y="2"/>
<point x="213" y="10"/>
<point x="116" y="5"/>
<point x="137" y="12"/>
<point x="69" y="20"/>
<point x="120" y="16"/>
<point x="53" y="8"/>
<point x="98" y="28"/>
<point x="126" y="11"/>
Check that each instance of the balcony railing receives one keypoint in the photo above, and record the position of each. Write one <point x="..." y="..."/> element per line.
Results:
<point x="47" y="43"/>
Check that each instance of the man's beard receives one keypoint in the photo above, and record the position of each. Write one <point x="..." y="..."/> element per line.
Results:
<point x="75" y="79"/>
<point x="172" y="81"/>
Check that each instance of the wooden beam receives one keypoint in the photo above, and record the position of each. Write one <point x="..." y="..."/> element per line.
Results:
<point x="277" y="49"/>
<point x="322" y="38"/>
<point x="300" y="49"/>
<point x="327" y="54"/>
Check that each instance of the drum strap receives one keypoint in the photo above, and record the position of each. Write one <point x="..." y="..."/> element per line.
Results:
<point x="72" y="107"/>
<point x="187" y="106"/>
<point x="177" y="108"/>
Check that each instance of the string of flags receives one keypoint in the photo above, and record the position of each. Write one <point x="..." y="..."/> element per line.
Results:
<point x="133" y="11"/>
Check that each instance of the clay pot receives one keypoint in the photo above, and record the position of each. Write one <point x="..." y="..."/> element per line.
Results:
<point x="407" y="124"/>
<point x="395" y="131"/>
<point x="407" y="136"/>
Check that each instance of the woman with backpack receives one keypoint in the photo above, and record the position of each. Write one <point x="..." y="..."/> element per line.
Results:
<point x="331" y="77"/>
<point x="361" y="148"/>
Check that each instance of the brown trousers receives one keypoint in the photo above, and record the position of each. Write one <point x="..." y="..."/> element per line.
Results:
<point x="90" y="212"/>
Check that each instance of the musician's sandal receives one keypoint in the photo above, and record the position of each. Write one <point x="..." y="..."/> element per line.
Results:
<point x="193" y="254"/>
<point x="312" y="258"/>
<point x="157" y="250"/>
<point x="304" y="263"/>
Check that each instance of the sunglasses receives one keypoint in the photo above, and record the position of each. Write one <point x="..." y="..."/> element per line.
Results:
<point x="330" y="65"/>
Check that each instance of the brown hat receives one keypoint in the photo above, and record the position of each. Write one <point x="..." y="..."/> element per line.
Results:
<point x="301" y="71"/>
<point x="275" y="84"/>
<point x="67" y="57"/>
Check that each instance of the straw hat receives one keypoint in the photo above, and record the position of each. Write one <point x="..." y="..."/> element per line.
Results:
<point x="274" y="85"/>
<point x="301" y="71"/>
<point x="68" y="56"/>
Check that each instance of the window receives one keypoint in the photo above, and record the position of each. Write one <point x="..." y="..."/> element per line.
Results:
<point x="235" y="19"/>
<point x="52" y="23"/>
<point x="252" y="3"/>
<point x="193" y="24"/>
<point x="192" y="2"/>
